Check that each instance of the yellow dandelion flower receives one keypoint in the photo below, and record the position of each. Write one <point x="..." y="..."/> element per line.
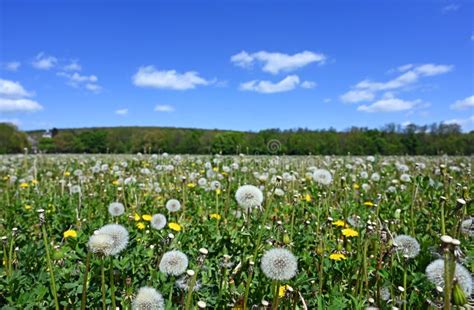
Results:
<point x="116" y="183"/>
<point x="216" y="169"/>
<point x="146" y="217"/>
<point x="174" y="226"/>
<point x="218" y="191"/>
<point x="24" y="185"/>
<point x="140" y="225"/>
<point x="339" y="223"/>
<point x="67" y="173"/>
<point x="34" y="182"/>
<point x="191" y="185"/>
<point x="70" y="233"/>
<point x="369" y="204"/>
<point x="27" y="207"/>
<point x="337" y="256"/>
<point x="137" y="217"/>
<point x="307" y="198"/>
<point x="349" y="232"/>
<point x="215" y="216"/>
<point x="282" y="289"/>
<point x="355" y="186"/>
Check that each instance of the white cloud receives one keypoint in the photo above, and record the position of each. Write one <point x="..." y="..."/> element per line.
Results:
<point x="121" y="112"/>
<point x="150" y="77"/>
<point x="164" y="108"/>
<point x="357" y="96"/>
<point x="19" y="105"/>
<point x="12" y="66"/>
<point x="44" y="62"/>
<point x="463" y="122"/>
<point x="308" y="84"/>
<point x="389" y="104"/>
<point x="276" y="62"/>
<point x="327" y="100"/>
<point x="12" y="89"/>
<point x="73" y="66"/>
<point x="366" y="90"/>
<point x="267" y="87"/>
<point x="466" y="103"/>
<point x="450" y="8"/>
<point x="93" y="87"/>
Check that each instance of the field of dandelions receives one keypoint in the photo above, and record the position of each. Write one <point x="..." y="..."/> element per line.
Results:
<point x="235" y="232"/>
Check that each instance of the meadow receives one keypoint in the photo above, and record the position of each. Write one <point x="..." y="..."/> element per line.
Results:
<point x="235" y="232"/>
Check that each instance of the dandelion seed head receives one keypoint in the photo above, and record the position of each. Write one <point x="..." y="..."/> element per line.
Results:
<point x="249" y="196"/>
<point x="119" y="235"/>
<point x="116" y="209"/>
<point x="148" y="299"/>
<point x="100" y="244"/>
<point x="279" y="264"/>
<point x="322" y="176"/>
<point x="435" y="273"/>
<point x="158" y="221"/>
<point x="174" y="263"/>
<point x="406" y="246"/>
<point x="173" y="205"/>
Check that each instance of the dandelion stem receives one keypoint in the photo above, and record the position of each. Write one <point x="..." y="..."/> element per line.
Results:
<point x="112" y="285"/>
<point x="102" y="273"/>
<point x="275" y="301"/>
<point x="84" y="284"/>
<point x="189" y="297"/>
<point x="50" y="267"/>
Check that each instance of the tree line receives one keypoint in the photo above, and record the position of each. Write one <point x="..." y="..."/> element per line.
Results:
<point x="392" y="139"/>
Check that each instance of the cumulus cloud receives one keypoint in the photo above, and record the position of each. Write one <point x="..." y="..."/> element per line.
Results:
<point x="12" y="89"/>
<point x="148" y="76"/>
<point x="12" y="66"/>
<point x="390" y="104"/>
<point x="463" y="104"/>
<point x="267" y="87"/>
<point x="164" y="108"/>
<point x="275" y="63"/>
<point x="121" y="112"/>
<point x="19" y="105"/>
<point x="308" y="84"/>
<point x="461" y="121"/>
<point x="44" y="62"/>
<point x="75" y="79"/>
<point x="73" y="66"/>
<point x="357" y="96"/>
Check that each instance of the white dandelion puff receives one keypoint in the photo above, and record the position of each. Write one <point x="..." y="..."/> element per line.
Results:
<point x="116" y="209"/>
<point x="173" y="263"/>
<point x="119" y="235"/>
<point x="322" y="176"/>
<point x="279" y="264"/>
<point x="100" y="244"/>
<point x="435" y="273"/>
<point x="406" y="246"/>
<point x="173" y="205"/>
<point x="158" y="221"/>
<point x="148" y="299"/>
<point x="249" y="196"/>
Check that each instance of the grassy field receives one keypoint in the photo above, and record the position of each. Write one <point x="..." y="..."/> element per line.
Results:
<point x="241" y="232"/>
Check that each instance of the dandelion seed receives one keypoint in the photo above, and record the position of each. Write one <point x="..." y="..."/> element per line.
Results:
<point x="173" y="205"/>
<point x="116" y="209"/>
<point x="173" y="263"/>
<point x="435" y="273"/>
<point x="158" y="221"/>
<point x="148" y="299"/>
<point x="279" y="264"/>
<point x="249" y="196"/>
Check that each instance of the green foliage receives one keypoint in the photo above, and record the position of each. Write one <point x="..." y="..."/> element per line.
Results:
<point x="11" y="139"/>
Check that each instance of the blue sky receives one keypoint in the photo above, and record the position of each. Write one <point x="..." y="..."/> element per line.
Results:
<point x="245" y="65"/>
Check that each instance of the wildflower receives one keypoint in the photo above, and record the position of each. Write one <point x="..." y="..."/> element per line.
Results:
<point x="282" y="290"/>
<point x="355" y="186"/>
<point x="146" y="217"/>
<point x="191" y="185"/>
<point x="100" y="244"/>
<point x="119" y="236"/>
<point x="279" y="264"/>
<point x="349" y="232"/>
<point x="307" y="198"/>
<point x="140" y="225"/>
<point x="70" y="233"/>
<point x="27" y="207"/>
<point x="406" y="245"/>
<point x="67" y="173"/>
<point x="158" y="221"/>
<point x="369" y="204"/>
<point x="215" y="216"/>
<point x="249" y="196"/>
<point x="322" y="176"/>
<point x="173" y="263"/>
<point x="339" y="223"/>
<point x="435" y="273"/>
<point x="173" y="205"/>
<point x="24" y="185"/>
<point x="337" y="256"/>
<point x="136" y="217"/>
<point x="148" y="299"/>
<point x="174" y="226"/>
<point x="115" y="183"/>
<point x="116" y="209"/>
